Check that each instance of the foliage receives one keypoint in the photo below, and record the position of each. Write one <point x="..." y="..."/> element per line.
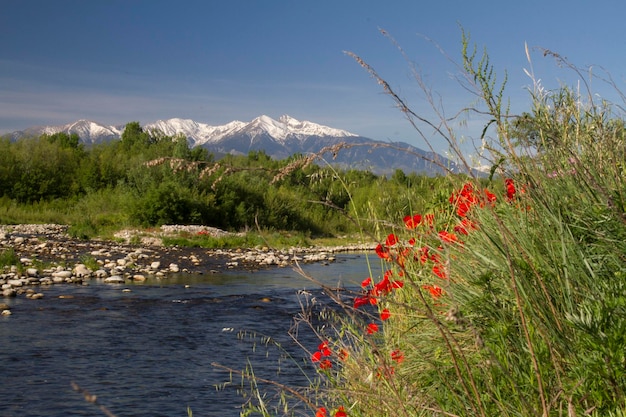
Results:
<point x="148" y="179"/>
<point x="504" y="296"/>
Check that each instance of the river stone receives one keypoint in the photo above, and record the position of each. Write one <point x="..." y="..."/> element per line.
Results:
<point x="80" y="270"/>
<point x="155" y="265"/>
<point x="115" y="279"/>
<point x="15" y="282"/>
<point x="9" y="292"/>
<point x="139" y="278"/>
<point x="4" y="306"/>
<point x="101" y="273"/>
<point x="32" y="272"/>
<point x="62" y="274"/>
<point x="6" y="312"/>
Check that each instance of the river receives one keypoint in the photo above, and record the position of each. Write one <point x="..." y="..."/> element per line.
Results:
<point x="149" y="351"/>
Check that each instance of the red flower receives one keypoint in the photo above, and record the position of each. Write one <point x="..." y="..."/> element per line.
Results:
<point x="447" y="237"/>
<point x="397" y="356"/>
<point x="510" y="189"/>
<point x="341" y="412"/>
<point x="316" y="357"/>
<point x="411" y="222"/>
<point x="385" y="314"/>
<point x="490" y="196"/>
<point x="434" y="290"/>
<point x="440" y="271"/>
<point x="372" y="328"/>
<point x="326" y="364"/>
<point x="343" y="354"/>
<point x="366" y="282"/>
<point x="321" y="412"/>
<point x="391" y="240"/>
<point x="382" y="252"/>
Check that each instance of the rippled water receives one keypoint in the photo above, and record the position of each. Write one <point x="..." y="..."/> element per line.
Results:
<point x="148" y="352"/>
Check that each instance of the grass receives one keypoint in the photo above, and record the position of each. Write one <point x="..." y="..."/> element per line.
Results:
<point x="510" y="302"/>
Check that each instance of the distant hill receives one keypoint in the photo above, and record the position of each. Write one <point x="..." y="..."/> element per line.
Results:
<point x="278" y="138"/>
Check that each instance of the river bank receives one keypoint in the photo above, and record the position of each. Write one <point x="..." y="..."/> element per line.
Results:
<point x="44" y="254"/>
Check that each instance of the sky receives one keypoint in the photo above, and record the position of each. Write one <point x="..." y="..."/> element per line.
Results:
<point x="118" y="61"/>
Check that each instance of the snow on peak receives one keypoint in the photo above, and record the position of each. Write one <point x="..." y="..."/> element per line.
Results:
<point x="287" y="126"/>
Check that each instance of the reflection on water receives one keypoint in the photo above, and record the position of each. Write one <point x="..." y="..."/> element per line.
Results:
<point x="148" y="352"/>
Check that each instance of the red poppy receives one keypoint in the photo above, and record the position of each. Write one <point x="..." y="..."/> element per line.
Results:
<point x="341" y="412"/>
<point x="366" y="282"/>
<point x="372" y="328"/>
<point x="397" y="356"/>
<point x="321" y="412"/>
<point x="490" y="196"/>
<point x="447" y="237"/>
<point x="385" y="314"/>
<point x="343" y="354"/>
<point x="382" y="252"/>
<point x="316" y="357"/>
<point x="411" y="222"/>
<point x="440" y="271"/>
<point x="363" y="301"/>
<point x="510" y="189"/>
<point x="391" y="240"/>
<point x="326" y="364"/>
<point x="434" y="290"/>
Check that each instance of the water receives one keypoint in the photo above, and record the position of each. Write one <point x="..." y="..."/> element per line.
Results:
<point x="149" y="352"/>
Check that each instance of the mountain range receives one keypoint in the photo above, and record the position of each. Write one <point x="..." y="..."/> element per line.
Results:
<point x="278" y="138"/>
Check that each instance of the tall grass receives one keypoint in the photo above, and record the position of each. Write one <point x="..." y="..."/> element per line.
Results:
<point x="508" y="299"/>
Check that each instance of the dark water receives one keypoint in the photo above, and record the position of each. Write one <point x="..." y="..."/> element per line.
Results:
<point x="149" y="352"/>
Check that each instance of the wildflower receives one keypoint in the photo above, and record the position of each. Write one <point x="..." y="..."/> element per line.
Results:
<point x="382" y="252"/>
<point x="510" y="189"/>
<point x="326" y="364"/>
<point x="343" y="355"/>
<point x="372" y="328"/>
<point x="366" y="282"/>
<point x="321" y="412"/>
<point x="491" y="198"/>
<point x="447" y="237"/>
<point x="341" y="412"/>
<point x="385" y="314"/>
<point x="464" y="227"/>
<point x="316" y="357"/>
<point x="324" y="349"/>
<point x="397" y="356"/>
<point x="440" y="271"/>
<point x="411" y="222"/>
<point x="391" y="240"/>
<point x="362" y="301"/>
<point x="434" y="290"/>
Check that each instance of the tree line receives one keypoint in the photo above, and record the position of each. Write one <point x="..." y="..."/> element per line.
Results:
<point x="147" y="178"/>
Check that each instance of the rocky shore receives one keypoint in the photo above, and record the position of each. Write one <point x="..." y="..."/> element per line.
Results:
<point x="46" y="255"/>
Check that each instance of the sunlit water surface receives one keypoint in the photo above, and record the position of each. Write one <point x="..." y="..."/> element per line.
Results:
<point x="148" y="352"/>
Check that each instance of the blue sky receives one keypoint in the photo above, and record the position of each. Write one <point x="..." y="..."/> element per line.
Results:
<point x="216" y="61"/>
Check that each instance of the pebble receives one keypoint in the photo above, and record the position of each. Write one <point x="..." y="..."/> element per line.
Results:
<point x="118" y="262"/>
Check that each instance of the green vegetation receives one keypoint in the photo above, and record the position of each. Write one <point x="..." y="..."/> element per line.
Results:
<point x="505" y="298"/>
<point x="147" y="179"/>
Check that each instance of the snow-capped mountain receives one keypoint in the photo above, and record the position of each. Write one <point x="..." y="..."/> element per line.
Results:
<point x="278" y="138"/>
<point x="89" y="132"/>
<point x="281" y="130"/>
